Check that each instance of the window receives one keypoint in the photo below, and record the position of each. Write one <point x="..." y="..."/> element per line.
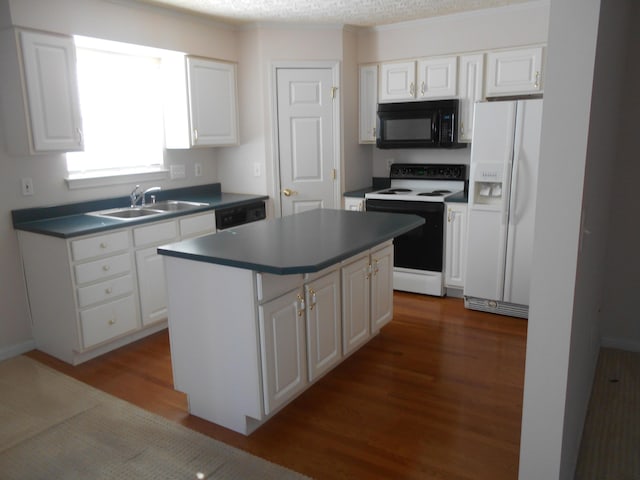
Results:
<point x="121" y="104"/>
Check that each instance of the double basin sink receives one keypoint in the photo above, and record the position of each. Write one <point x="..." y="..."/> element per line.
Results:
<point x="158" y="208"/>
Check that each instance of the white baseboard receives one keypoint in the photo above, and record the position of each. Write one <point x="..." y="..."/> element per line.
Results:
<point x="621" y="344"/>
<point x="15" y="350"/>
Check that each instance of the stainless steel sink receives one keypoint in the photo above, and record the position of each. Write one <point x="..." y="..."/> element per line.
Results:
<point x="174" y="205"/>
<point x="158" y="208"/>
<point x="126" y="213"/>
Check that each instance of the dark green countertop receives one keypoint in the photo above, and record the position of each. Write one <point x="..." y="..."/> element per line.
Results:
<point x="301" y="243"/>
<point x="71" y="220"/>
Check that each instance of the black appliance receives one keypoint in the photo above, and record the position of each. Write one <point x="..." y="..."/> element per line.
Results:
<point x="426" y="124"/>
<point x="240" y="214"/>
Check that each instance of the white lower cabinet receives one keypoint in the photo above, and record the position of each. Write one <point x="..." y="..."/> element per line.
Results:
<point x="367" y="295"/>
<point x="150" y="268"/>
<point x="455" y="244"/>
<point x="91" y="294"/>
<point x="299" y="335"/>
<point x="356" y="305"/>
<point x="324" y="320"/>
<point x="354" y="203"/>
<point x="284" y="355"/>
<point x="381" y="287"/>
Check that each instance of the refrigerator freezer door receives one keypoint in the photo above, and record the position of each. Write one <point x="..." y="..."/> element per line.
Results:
<point x="491" y="162"/>
<point x="523" y="201"/>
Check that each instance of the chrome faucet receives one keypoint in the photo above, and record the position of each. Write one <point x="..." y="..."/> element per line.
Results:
<point x="152" y="189"/>
<point x="137" y="194"/>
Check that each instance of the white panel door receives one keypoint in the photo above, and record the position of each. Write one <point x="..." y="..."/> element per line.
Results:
<point x="397" y="81"/>
<point x="324" y="322"/>
<point x="356" y="307"/>
<point x="52" y="91"/>
<point x="212" y="102"/>
<point x="523" y="202"/>
<point x="437" y="78"/>
<point x="306" y="139"/>
<point x="470" y="91"/>
<point x="151" y="283"/>
<point x="284" y="356"/>
<point x="381" y="287"/>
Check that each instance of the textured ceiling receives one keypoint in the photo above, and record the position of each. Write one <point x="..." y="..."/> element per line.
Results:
<point x="363" y="13"/>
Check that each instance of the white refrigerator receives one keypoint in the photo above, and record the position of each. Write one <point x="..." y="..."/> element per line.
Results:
<point x="505" y="150"/>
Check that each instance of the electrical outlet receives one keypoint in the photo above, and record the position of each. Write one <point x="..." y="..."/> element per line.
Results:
<point x="198" y="169"/>
<point x="27" y="186"/>
<point x="177" y="171"/>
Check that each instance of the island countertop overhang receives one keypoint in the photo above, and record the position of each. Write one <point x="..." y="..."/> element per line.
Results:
<point x="302" y="243"/>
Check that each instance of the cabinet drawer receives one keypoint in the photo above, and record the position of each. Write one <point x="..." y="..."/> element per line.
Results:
<point x="198" y="225"/>
<point x="100" y="245"/>
<point x="101" y="292"/>
<point x="107" y="321"/>
<point x="156" y="233"/>
<point x="103" y="268"/>
<point x="270" y="286"/>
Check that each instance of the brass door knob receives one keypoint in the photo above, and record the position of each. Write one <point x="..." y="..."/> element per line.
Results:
<point x="287" y="192"/>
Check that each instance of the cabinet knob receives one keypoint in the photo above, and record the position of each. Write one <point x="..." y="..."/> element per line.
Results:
<point x="103" y="245"/>
<point x="108" y="291"/>
<point x="106" y="268"/>
<point x="112" y="321"/>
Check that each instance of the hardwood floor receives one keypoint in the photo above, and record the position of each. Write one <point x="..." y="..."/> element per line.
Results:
<point x="436" y="395"/>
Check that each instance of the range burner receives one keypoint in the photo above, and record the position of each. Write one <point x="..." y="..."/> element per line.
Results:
<point x="393" y="191"/>
<point x="435" y="193"/>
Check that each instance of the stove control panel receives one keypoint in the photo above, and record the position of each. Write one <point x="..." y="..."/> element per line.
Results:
<point x="415" y="171"/>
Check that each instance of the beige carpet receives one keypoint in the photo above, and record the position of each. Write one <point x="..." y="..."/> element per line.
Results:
<point x="610" y="448"/>
<point x="55" y="427"/>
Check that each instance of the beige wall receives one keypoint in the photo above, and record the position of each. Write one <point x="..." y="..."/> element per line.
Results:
<point x="114" y="21"/>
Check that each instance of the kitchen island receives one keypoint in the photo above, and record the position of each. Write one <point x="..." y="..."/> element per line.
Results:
<point x="259" y="313"/>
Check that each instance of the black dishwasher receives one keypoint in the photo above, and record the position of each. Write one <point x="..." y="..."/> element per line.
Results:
<point x="240" y="214"/>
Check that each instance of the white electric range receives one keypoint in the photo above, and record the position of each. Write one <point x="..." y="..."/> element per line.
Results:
<point x="419" y="189"/>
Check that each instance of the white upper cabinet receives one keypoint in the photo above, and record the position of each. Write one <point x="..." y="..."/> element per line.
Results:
<point x="397" y="81"/>
<point x="48" y="88"/>
<point x="470" y="91"/>
<point x="200" y="103"/>
<point x="514" y="72"/>
<point x="423" y="79"/>
<point x="437" y="78"/>
<point x="368" y="103"/>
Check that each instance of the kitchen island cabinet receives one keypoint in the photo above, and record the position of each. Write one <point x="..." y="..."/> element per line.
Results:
<point x="255" y="313"/>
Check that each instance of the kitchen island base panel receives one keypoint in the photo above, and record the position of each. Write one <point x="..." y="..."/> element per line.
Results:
<point x="214" y="341"/>
<point x="220" y="353"/>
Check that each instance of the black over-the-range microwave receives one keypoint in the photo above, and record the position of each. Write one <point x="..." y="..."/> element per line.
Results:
<point x="424" y="124"/>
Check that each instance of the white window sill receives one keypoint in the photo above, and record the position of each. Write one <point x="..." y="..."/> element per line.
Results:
<point x="98" y="179"/>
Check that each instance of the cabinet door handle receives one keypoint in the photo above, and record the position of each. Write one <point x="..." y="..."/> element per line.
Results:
<point x="312" y="293"/>
<point x="412" y="89"/>
<point x="375" y="267"/>
<point x="536" y="84"/>
<point x="195" y="135"/>
<point x="449" y="213"/>
<point x="422" y="89"/>
<point x="80" y="136"/>
<point x="301" y="305"/>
